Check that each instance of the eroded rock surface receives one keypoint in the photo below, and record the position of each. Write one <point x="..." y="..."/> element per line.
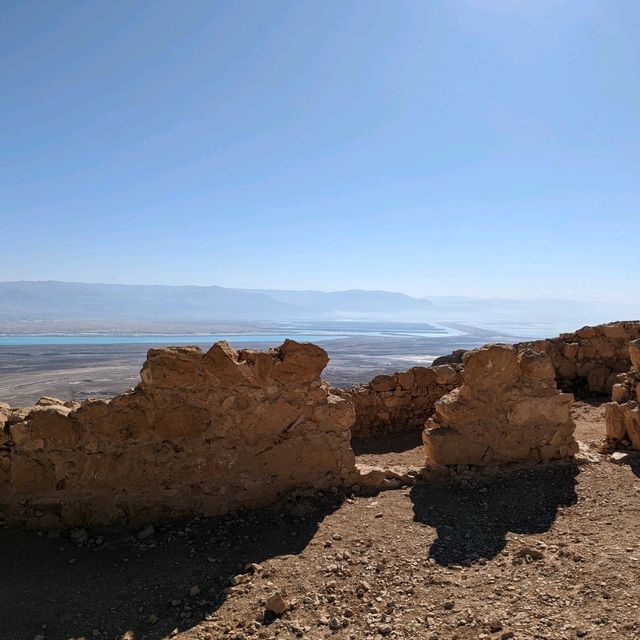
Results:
<point x="623" y="414"/>
<point x="400" y="401"/>
<point x="202" y="433"/>
<point x="508" y="409"/>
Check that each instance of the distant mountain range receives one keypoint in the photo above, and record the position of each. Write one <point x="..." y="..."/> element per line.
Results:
<point x="52" y="301"/>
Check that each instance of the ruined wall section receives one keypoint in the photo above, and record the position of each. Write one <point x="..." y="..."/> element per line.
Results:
<point x="590" y="359"/>
<point x="508" y="409"/>
<point x="400" y="401"/>
<point x="623" y="413"/>
<point x="203" y="433"/>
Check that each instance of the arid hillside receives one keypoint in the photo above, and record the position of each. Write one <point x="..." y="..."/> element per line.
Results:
<point x="236" y="495"/>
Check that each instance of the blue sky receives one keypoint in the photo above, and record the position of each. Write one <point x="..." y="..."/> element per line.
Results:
<point x="480" y="147"/>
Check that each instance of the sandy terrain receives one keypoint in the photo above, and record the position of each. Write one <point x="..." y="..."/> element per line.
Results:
<point x="549" y="552"/>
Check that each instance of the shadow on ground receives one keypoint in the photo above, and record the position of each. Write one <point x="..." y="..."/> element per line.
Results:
<point x="115" y="584"/>
<point x="472" y="517"/>
<point x="634" y="465"/>
<point x="395" y="443"/>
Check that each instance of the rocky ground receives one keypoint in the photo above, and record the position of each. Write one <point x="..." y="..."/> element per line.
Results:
<point x="547" y="552"/>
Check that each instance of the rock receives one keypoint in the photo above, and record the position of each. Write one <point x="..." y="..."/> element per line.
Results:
<point x="620" y="457"/>
<point x="194" y="591"/>
<point x="48" y="401"/>
<point x="529" y="553"/>
<point x="146" y="532"/>
<point x="278" y="603"/>
<point x="622" y="415"/>
<point x="152" y="619"/>
<point x="453" y="358"/>
<point x="79" y="536"/>
<point x="508" y="409"/>
<point x="335" y="624"/>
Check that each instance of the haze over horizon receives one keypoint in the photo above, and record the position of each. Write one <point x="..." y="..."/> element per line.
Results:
<point x="481" y="147"/>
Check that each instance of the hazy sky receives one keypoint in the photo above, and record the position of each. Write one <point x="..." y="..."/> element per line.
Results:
<point x="482" y="147"/>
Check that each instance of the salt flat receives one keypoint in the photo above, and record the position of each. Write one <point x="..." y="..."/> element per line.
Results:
<point x="102" y="370"/>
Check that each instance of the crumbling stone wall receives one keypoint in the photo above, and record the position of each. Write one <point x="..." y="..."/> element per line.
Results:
<point x="202" y="433"/>
<point x="400" y="401"/>
<point x="623" y="413"/>
<point x="590" y="359"/>
<point x="507" y="409"/>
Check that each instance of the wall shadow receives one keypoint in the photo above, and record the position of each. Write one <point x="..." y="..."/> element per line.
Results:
<point x="115" y="584"/>
<point x="634" y="465"/>
<point x="392" y="443"/>
<point x="472" y="519"/>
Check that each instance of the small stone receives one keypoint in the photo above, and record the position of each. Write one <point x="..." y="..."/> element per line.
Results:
<point x="384" y="629"/>
<point x="194" y="591"/>
<point x="146" y="532"/>
<point x="379" y="515"/>
<point x="335" y="624"/>
<point x="529" y="552"/>
<point x="278" y="603"/>
<point x="175" y="602"/>
<point x="449" y="605"/>
<point x="39" y="637"/>
<point x="152" y="619"/>
<point x="619" y="457"/>
<point x="495" y="626"/>
<point x="337" y="536"/>
<point x="581" y="633"/>
<point x="79" y="536"/>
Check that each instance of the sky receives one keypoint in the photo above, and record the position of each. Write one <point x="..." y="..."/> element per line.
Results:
<point x="478" y="147"/>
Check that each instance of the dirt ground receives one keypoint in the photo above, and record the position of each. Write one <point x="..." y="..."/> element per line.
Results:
<point x="549" y="552"/>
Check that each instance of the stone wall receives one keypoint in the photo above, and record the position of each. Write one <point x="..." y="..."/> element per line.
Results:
<point x="623" y="414"/>
<point x="507" y="410"/>
<point x="400" y="401"/>
<point x="202" y="433"/>
<point x="589" y="360"/>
